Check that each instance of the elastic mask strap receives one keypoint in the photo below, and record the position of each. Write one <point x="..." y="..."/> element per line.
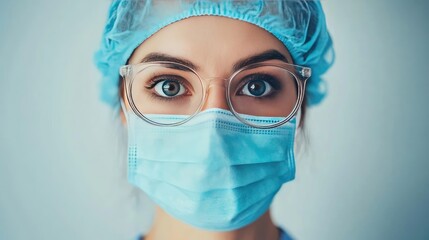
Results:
<point x="298" y="120"/>
<point x="124" y="109"/>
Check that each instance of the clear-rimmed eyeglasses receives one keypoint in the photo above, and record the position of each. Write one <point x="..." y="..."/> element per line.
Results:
<point x="263" y="89"/>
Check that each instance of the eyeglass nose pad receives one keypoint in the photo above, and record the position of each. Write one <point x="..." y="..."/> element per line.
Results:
<point x="215" y="96"/>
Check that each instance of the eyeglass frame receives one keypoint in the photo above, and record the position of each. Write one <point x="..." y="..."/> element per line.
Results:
<point x="301" y="75"/>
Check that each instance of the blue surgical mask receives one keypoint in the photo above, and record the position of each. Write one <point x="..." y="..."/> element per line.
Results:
<point x="213" y="172"/>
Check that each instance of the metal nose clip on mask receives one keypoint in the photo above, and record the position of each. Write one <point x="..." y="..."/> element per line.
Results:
<point x="212" y="172"/>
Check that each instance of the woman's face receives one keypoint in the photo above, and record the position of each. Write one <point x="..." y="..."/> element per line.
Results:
<point x="213" y="45"/>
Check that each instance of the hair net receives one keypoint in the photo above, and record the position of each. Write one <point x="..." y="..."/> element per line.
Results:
<point x="299" y="25"/>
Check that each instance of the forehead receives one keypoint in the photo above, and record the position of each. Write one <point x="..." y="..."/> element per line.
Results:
<point x="213" y="42"/>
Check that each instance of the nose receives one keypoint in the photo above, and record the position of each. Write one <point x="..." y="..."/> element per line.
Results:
<point x="215" y="95"/>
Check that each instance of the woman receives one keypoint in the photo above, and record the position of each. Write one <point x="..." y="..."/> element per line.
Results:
<point x="212" y="93"/>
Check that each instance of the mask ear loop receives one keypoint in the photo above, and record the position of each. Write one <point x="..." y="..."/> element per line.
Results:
<point x="124" y="110"/>
<point x="298" y="121"/>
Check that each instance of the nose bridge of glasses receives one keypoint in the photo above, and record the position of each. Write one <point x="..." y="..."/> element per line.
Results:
<point x="215" y="93"/>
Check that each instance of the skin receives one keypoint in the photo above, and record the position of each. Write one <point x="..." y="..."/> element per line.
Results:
<point x="214" y="44"/>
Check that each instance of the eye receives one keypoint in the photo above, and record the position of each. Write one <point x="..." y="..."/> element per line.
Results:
<point x="257" y="88"/>
<point x="169" y="88"/>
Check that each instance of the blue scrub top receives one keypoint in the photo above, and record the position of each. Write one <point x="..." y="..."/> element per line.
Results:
<point x="283" y="235"/>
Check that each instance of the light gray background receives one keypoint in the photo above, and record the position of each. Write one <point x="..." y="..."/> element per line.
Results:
<point x="364" y="174"/>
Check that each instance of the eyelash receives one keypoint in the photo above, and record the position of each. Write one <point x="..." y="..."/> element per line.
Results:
<point x="159" y="78"/>
<point x="274" y="84"/>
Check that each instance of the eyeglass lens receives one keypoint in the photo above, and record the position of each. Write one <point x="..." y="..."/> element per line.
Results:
<point x="171" y="89"/>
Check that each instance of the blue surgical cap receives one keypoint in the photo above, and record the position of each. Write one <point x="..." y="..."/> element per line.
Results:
<point x="299" y="25"/>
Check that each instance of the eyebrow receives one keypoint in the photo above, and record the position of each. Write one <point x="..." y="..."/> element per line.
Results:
<point x="156" y="56"/>
<point x="260" y="57"/>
